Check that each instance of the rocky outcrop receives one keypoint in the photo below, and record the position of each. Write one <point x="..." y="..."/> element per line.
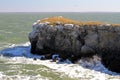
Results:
<point x="72" y="41"/>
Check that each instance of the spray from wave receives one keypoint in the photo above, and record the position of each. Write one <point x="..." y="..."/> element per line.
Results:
<point x="85" y="68"/>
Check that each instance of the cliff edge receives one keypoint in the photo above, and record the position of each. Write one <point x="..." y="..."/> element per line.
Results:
<point x="73" y="40"/>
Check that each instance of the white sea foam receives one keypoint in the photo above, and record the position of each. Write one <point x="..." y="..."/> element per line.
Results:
<point x="92" y="68"/>
<point x="19" y="77"/>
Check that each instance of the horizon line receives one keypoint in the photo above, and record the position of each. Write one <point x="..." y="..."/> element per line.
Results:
<point x="61" y="12"/>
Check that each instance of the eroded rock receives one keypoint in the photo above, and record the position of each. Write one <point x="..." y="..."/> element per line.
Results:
<point x="72" y="41"/>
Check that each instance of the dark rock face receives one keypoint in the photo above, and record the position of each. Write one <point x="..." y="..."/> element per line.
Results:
<point x="73" y="42"/>
<point x="111" y="60"/>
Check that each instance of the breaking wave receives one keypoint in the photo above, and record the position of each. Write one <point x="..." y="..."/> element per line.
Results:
<point x="85" y="67"/>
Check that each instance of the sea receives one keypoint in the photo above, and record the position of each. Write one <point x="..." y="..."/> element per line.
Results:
<point x="17" y="63"/>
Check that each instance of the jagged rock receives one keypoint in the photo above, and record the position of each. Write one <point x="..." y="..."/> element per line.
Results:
<point x="73" y="41"/>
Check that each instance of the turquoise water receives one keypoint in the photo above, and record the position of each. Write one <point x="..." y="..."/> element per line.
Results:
<point x="14" y="30"/>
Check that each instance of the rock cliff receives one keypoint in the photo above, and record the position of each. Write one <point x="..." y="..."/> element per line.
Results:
<point x="73" y="40"/>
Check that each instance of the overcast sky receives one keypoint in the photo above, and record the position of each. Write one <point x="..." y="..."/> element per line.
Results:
<point x="59" y="5"/>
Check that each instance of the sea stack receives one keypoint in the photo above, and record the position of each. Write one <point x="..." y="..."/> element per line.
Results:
<point x="73" y="40"/>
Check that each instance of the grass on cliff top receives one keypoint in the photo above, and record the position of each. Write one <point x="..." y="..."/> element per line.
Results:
<point x="62" y="20"/>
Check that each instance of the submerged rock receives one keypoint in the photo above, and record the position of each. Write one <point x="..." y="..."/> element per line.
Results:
<point x="73" y="40"/>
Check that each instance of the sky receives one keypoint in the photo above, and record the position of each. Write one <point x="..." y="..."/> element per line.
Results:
<point x="59" y="5"/>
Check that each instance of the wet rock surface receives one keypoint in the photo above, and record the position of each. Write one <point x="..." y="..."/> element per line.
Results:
<point x="75" y="41"/>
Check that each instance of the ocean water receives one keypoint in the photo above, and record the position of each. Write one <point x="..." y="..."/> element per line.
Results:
<point x="15" y="27"/>
<point x="16" y="61"/>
